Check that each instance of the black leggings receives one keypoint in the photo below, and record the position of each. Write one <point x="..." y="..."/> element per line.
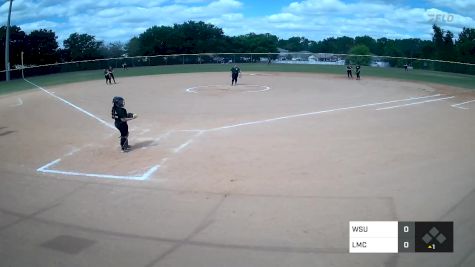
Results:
<point x="234" y="78"/>
<point x="348" y="72"/>
<point x="124" y="134"/>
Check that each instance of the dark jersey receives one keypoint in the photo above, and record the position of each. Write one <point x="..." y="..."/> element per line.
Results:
<point x="348" y="67"/>
<point x="235" y="70"/>
<point x="118" y="114"/>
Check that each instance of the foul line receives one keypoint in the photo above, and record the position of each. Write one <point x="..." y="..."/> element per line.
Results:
<point x="188" y="142"/>
<point x="315" y="113"/>
<point x="460" y="104"/>
<point x="143" y="177"/>
<point x="416" y="103"/>
<point x="72" y="105"/>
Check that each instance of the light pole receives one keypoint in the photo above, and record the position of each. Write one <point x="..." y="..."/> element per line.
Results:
<point x="7" y="45"/>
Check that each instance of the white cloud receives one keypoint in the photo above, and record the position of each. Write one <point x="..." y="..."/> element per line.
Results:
<point x="316" y="7"/>
<point x="190" y="1"/>
<point x="284" y="17"/>
<point x="41" y="24"/>
<point x="314" y="19"/>
<point x="464" y="6"/>
<point x="117" y="20"/>
<point x="325" y="18"/>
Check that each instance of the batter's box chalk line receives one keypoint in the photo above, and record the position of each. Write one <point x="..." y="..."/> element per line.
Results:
<point x="48" y="168"/>
<point x="459" y="105"/>
<point x="259" y="88"/>
<point x="145" y="176"/>
<point x="18" y="103"/>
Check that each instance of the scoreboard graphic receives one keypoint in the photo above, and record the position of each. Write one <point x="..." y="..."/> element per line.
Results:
<point x="395" y="237"/>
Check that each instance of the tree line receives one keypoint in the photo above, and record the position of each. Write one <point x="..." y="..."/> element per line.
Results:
<point x="41" y="46"/>
<point x="443" y="46"/>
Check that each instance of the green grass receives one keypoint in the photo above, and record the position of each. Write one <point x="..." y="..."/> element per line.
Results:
<point x="451" y="79"/>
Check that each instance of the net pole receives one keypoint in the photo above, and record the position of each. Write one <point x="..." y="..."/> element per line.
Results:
<point x="22" y="65"/>
<point x="7" y="44"/>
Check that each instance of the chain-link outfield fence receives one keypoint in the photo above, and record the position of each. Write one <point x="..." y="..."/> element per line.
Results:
<point x="229" y="58"/>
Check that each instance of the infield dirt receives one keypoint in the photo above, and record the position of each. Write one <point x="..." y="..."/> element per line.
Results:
<point x="267" y="178"/>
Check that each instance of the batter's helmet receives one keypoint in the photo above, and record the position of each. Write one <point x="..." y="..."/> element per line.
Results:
<point x="118" y="101"/>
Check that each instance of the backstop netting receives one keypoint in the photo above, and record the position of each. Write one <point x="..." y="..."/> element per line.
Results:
<point x="240" y="58"/>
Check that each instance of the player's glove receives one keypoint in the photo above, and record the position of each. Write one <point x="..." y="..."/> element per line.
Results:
<point x="131" y="115"/>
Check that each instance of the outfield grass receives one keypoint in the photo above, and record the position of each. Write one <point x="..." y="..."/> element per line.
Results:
<point x="451" y="79"/>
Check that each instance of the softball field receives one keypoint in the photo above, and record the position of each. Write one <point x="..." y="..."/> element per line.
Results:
<point x="266" y="173"/>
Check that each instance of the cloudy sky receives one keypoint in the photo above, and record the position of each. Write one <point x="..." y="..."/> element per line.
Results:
<point x="120" y="20"/>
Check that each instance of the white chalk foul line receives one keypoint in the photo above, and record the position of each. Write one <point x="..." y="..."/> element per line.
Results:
<point x="188" y="142"/>
<point x="143" y="177"/>
<point x="315" y="113"/>
<point x="460" y="104"/>
<point x="416" y="103"/>
<point x="182" y="146"/>
<point x="72" y="105"/>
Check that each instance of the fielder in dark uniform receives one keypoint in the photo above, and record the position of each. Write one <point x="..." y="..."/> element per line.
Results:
<point x="358" y="69"/>
<point x="120" y="115"/>
<point x="111" y="73"/>
<point x="349" y="69"/>
<point x="107" y="75"/>
<point x="235" y="71"/>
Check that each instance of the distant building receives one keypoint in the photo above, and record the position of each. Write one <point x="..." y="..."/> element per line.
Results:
<point x="380" y="63"/>
<point x="307" y="57"/>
